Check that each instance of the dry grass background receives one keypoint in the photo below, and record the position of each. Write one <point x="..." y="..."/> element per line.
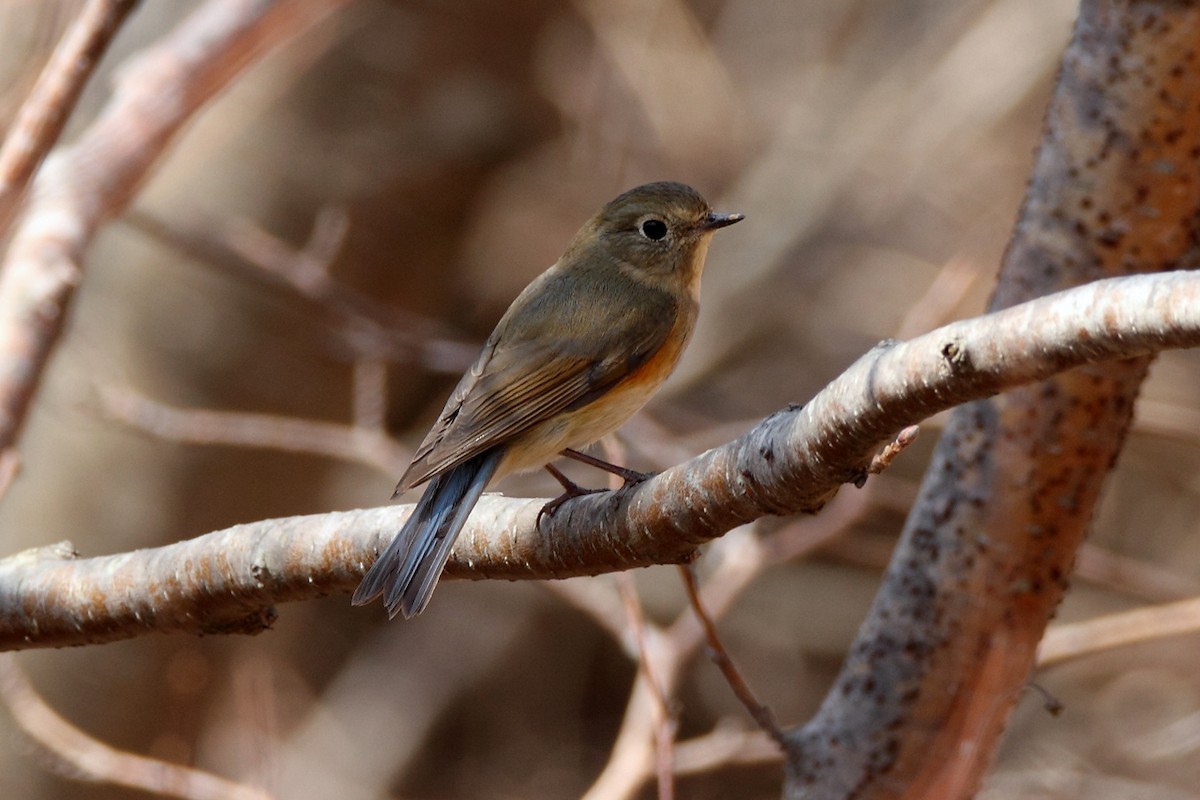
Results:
<point x="879" y="150"/>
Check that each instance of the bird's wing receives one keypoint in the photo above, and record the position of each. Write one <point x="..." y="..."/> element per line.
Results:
<point x="561" y="355"/>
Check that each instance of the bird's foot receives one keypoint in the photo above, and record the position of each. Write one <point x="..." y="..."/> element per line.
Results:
<point x="571" y="490"/>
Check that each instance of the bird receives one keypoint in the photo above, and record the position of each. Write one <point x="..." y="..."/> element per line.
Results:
<point x="578" y="352"/>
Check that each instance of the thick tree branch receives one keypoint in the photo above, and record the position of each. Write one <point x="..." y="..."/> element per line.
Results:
<point x="791" y="462"/>
<point x="922" y="699"/>
<point x="81" y="187"/>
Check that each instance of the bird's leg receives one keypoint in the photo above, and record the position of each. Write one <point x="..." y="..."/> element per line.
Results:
<point x="630" y="476"/>
<point x="571" y="489"/>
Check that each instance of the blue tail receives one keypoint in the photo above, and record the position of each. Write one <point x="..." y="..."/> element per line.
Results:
<point x="408" y="570"/>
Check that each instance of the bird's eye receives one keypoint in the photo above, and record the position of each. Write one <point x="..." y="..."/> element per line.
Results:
<point x="654" y="229"/>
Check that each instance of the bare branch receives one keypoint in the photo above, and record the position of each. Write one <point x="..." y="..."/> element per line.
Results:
<point x="81" y="187"/>
<point x="933" y="308"/>
<point x="96" y="761"/>
<point x="600" y="603"/>
<point x="370" y="396"/>
<point x="725" y="745"/>
<point x="49" y="105"/>
<point x="947" y="647"/>
<point x="630" y="762"/>
<point x="367" y="327"/>
<point x="1134" y="577"/>
<point x="791" y="462"/>
<point x="884" y="458"/>
<point x="1078" y="639"/>
<point x="664" y="721"/>
<point x="761" y="713"/>
<point x="369" y="446"/>
<point x="10" y="464"/>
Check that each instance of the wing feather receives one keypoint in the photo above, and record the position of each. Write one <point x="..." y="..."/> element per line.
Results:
<point x="563" y="352"/>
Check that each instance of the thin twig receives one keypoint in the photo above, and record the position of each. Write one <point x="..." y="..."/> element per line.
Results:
<point x="10" y="465"/>
<point x="1133" y="577"/>
<point x="724" y="745"/>
<point x="44" y="113"/>
<point x="884" y="458"/>
<point x="370" y="395"/>
<point x="1095" y="565"/>
<point x="720" y="656"/>
<point x="664" y="722"/>
<point x="597" y="599"/>
<point x="369" y="446"/>
<point x="1171" y="421"/>
<point x="1078" y="639"/>
<point x="740" y="558"/>
<point x="807" y="535"/>
<point x="368" y="328"/>
<point x="933" y="307"/>
<point x="94" y="760"/>
<point x="630" y="763"/>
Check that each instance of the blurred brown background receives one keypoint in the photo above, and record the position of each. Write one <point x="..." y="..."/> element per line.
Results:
<point x="879" y="149"/>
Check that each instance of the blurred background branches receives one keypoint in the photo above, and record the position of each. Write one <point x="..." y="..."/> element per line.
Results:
<point x="446" y="154"/>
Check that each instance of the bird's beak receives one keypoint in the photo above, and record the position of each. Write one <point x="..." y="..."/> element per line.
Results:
<point x="715" y="220"/>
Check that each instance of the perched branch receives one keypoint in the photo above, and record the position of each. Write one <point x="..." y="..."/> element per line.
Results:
<point x="791" y="462"/>
<point x="49" y="105"/>
<point x="83" y="186"/>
